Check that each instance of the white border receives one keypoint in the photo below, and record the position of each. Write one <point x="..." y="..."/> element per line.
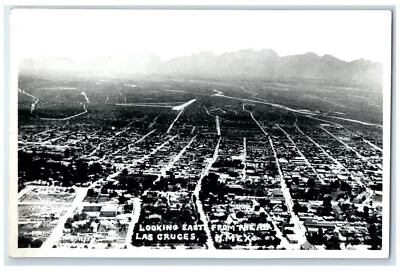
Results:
<point x="152" y="253"/>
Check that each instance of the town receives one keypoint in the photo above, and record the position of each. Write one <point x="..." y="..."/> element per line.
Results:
<point x="196" y="170"/>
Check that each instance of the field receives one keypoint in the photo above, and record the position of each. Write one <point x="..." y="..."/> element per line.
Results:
<point x="338" y="101"/>
<point x="37" y="195"/>
<point x="37" y="221"/>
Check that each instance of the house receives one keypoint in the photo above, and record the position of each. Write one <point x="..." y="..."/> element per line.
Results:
<point x="92" y="208"/>
<point x="109" y="210"/>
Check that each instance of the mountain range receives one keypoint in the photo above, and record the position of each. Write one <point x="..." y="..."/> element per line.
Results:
<point x="263" y="64"/>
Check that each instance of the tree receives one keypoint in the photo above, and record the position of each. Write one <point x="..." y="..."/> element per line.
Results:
<point x="83" y="216"/>
<point x="276" y="242"/>
<point x="36" y="243"/>
<point x="96" y="168"/>
<point x="127" y="208"/>
<point x="284" y="207"/>
<point x="327" y="206"/>
<point x="104" y="190"/>
<point x="67" y="153"/>
<point x="320" y="237"/>
<point x="345" y="186"/>
<point x="376" y="241"/>
<point x="81" y="170"/>
<point x="268" y="241"/>
<point x="68" y="225"/>
<point x="311" y="183"/>
<point x="296" y="207"/>
<point x="240" y="214"/>
<point x="260" y="193"/>
<point x="264" y="202"/>
<point x="366" y="212"/>
<point x="333" y="243"/>
<point x="24" y="242"/>
<point x="76" y="217"/>
<point x="90" y="192"/>
<point x="121" y="199"/>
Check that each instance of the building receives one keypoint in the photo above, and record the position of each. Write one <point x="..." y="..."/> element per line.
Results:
<point x="92" y="208"/>
<point x="109" y="210"/>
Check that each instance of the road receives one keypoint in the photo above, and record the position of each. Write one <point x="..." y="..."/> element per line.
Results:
<point x="208" y="112"/>
<point x="111" y="138"/>
<point x="172" y="124"/>
<point x="218" y="126"/>
<point x="253" y="94"/>
<point x="48" y="143"/>
<point x="120" y="94"/>
<point x="302" y="155"/>
<point x="50" y="130"/>
<point x="25" y="191"/>
<point x="174" y="160"/>
<point x="252" y="116"/>
<point x="356" y="121"/>
<point x="153" y="122"/>
<point x="46" y="131"/>
<point x="351" y="148"/>
<point x="338" y="164"/>
<point x="85" y="96"/>
<point x="280" y="107"/>
<point x="56" y="234"/>
<point x="81" y="193"/>
<point x="135" y="219"/>
<point x="284" y="242"/>
<point x="154" y="151"/>
<point x="182" y="106"/>
<point x="137" y="203"/>
<point x="145" y="105"/>
<point x="299" y="111"/>
<point x="70" y="117"/>
<point x="134" y="163"/>
<point x="199" y="204"/>
<point x="372" y="145"/>
<point x="299" y="229"/>
<point x="132" y="144"/>
<point x="327" y="121"/>
<point x="35" y="100"/>
<point x="244" y="155"/>
<point x="124" y="148"/>
<point x="217" y="92"/>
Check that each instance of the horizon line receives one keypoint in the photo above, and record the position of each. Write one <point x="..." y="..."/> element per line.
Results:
<point x="166" y="59"/>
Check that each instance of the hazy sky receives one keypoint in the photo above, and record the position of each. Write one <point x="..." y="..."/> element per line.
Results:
<point x="86" y="34"/>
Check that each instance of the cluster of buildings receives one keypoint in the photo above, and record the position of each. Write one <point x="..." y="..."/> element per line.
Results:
<point x="243" y="188"/>
<point x="222" y="183"/>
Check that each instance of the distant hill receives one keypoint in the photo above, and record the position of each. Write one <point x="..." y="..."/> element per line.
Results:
<point x="246" y="64"/>
<point x="133" y="64"/>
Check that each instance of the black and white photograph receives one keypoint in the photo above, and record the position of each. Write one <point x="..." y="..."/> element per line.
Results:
<point x="200" y="133"/>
